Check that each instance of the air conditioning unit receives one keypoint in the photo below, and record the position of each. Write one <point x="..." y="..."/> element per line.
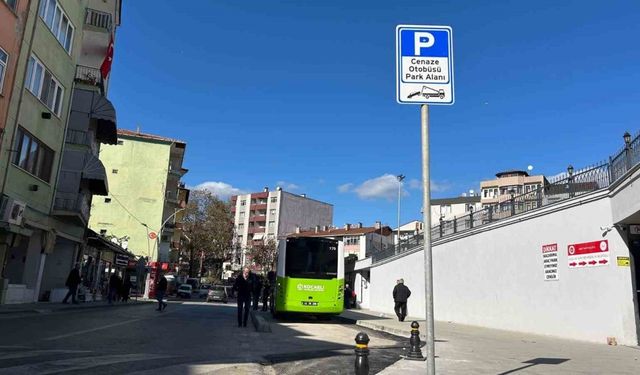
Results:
<point x="12" y="210"/>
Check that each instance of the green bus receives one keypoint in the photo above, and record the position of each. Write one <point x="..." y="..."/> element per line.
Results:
<point x="309" y="277"/>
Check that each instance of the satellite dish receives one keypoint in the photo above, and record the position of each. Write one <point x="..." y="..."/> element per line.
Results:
<point x="530" y="168"/>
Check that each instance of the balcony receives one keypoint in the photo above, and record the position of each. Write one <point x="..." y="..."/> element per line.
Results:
<point x="98" y="20"/>
<point x="256" y="230"/>
<point x="89" y="76"/>
<point x="261" y="218"/>
<point x="258" y="206"/>
<point x="72" y="205"/>
<point x="91" y="112"/>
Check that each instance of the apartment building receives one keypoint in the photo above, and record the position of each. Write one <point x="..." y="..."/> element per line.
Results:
<point x="509" y="184"/>
<point x="357" y="240"/>
<point x="146" y="196"/>
<point x="273" y="215"/>
<point x="408" y="230"/>
<point x="52" y="133"/>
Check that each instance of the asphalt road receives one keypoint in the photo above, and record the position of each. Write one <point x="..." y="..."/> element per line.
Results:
<point x="187" y="338"/>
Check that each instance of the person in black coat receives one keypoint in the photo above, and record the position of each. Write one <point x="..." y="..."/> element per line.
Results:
<point x="243" y="288"/>
<point x="161" y="289"/>
<point x="400" y="296"/>
<point x="256" y="290"/>
<point x="73" y="280"/>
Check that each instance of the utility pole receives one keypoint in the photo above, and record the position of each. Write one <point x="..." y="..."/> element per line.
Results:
<point x="400" y="177"/>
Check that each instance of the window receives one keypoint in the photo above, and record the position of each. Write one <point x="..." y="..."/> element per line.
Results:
<point x="240" y="227"/>
<point x="33" y="156"/>
<point x="272" y="225"/>
<point x="4" y="58"/>
<point x="272" y="212"/>
<point x="58" y="22"/>
<point x="114" y="171"/>
<point x="243" y="202"/>
<point x="274" y="199"/>
<point x="44" y="85"/>
<point x="12" y="4"/>
<point x="107" y="200"/>
<point x="241" y="215"/>
<point x="351" y="240"/>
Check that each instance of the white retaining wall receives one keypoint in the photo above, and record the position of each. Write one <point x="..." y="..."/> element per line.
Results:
<point x="494" y="277"/>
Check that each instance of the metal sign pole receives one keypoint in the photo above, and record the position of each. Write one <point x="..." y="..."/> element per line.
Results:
<point x="428" y="265"/>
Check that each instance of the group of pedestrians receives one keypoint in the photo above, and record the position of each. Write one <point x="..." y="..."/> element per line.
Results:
<point x="119" y="289"/>
<point x="248" y="288"/>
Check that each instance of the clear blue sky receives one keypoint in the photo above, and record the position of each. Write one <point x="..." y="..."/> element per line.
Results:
<point x="302" y="93"/>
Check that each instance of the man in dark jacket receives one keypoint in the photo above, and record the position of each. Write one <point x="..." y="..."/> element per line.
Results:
<point x="243" y="288"/>
<point x="400" y="296"/>
<point x="114" y="287"/>
<point x="347" y="296"/>
<point x="73" y="280"/>
<point x="161" y="289"/>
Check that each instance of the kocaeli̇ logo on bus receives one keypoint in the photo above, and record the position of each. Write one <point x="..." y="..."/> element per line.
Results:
<point x="310" y="288"/>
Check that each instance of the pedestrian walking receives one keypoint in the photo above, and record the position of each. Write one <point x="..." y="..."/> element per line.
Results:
<point x="400" y="296"/>
<point x="256" y="290"/>
<point x="266" y="291"/>
<point x="114" y="288"/>
<point x="73" y="280"/>
<point x="243" y="288"/>
<point x="347" y="296"/>
<point x="161" y="289"/>
<point x="126" y="289"/>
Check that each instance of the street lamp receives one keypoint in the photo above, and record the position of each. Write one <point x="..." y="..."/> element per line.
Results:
<point x="627" y="143"/>
<point x="400" y="177"/>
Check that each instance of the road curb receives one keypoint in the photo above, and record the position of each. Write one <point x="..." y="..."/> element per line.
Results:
<point x="404" y="333"/>
<point x="260" y="322"/>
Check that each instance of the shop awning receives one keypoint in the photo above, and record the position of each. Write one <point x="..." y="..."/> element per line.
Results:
<point x="258" y="236"/>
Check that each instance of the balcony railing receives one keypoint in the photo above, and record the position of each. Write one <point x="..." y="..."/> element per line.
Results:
<point x="78" y="205"/>
<point x="566" y="186"/>
<point x="89" y="76"/>
<point x="98" y="19"/>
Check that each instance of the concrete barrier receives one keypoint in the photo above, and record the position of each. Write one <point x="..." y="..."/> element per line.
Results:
<point x="260" y="321"/>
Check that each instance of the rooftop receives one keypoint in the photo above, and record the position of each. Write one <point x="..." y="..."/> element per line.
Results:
<point x="152" y="137"/>
<point x="512" y="172"/>
<point x="338" y="232"/>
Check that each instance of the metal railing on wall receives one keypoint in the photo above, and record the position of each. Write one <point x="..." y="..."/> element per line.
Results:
<point x="564" y="186"/>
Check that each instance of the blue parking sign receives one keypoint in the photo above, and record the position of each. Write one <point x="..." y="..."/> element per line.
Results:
<point x="424" y="65"/>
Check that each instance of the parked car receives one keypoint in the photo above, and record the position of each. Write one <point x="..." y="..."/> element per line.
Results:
<point x="204" y="290"/>
<point x="185" y="291"/>
<point x="218" y="293"/>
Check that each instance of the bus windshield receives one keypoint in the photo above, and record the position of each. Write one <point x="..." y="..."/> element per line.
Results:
<point x="311" y="258"/>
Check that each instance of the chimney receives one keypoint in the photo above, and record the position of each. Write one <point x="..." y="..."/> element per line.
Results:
<point x="266" y="189"/>
<point x="297" y="229"/>
<point x="138" y="129"/>
<point x="317" y="228"/>
<point x="325" y="228"/>
<point x="278" y="188"/>
<point x="347" y="226"/>
<point x="378" y="225"/>
<point x="359" y="226"/>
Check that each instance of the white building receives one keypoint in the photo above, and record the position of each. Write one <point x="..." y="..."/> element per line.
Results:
<point x="448" y="208"/>
<point x="273" y="215"/>
<point x="408" y="230"/>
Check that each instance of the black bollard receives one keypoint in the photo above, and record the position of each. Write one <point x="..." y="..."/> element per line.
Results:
<point x="415" y="353"/>
<point x="362" y="354"/>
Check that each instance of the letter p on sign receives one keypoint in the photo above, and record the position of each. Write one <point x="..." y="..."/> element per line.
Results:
<point x="423" y="40"/>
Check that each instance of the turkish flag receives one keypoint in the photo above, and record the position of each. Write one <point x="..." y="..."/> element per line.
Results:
<point x="105" y="68"/>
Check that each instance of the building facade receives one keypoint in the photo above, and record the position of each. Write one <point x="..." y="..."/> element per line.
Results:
<point x="507" y="185"/>
<point x="51" y="137"/>
<point x="273" y="215"/>
<point x="448" y="208"/>
<point x="146" y="195"/>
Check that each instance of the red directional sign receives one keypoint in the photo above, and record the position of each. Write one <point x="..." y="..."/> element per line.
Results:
<point x="588" y="254"/>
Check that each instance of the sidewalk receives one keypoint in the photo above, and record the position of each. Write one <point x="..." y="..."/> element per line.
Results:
<point x="468" y="350"/>
<point x="49" y="307"/>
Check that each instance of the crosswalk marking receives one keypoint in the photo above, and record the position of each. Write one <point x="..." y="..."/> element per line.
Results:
<point x="74" y="364"/>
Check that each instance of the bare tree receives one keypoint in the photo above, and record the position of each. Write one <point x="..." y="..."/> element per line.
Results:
<point x="264" y="254"/>
<point x="208" y="223"/>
